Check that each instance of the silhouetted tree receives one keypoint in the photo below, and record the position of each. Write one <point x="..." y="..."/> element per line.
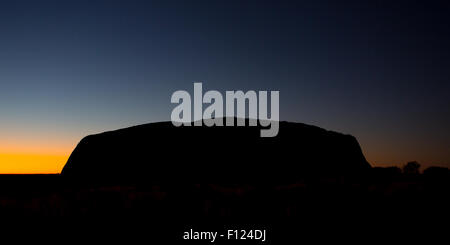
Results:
<point x="411" y="168"/>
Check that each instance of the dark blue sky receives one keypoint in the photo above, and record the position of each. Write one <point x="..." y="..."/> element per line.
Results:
<point x="379" y="70"/>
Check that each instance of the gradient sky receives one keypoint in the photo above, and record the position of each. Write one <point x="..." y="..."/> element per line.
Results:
<point x="379" y="71"/>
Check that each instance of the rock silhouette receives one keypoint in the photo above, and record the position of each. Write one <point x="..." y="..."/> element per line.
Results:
<point x="161" y="151"/>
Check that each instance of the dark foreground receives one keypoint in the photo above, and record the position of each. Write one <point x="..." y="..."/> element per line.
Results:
<point x="383" y="204"/>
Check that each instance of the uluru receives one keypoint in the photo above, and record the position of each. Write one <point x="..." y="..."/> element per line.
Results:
<point x="163" y="152"/>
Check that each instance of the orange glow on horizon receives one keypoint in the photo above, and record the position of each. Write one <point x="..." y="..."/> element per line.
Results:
<point x="34" y="155"/>
<point x="22" y="163"/>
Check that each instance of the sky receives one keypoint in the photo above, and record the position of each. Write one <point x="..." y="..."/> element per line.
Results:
<point x="377" y="70"/>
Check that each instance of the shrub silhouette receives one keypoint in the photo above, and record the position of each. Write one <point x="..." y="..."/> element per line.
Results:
<point x="411" y="168"/>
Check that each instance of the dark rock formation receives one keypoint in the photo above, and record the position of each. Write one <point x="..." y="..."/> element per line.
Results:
<point x="163" y="152"/>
